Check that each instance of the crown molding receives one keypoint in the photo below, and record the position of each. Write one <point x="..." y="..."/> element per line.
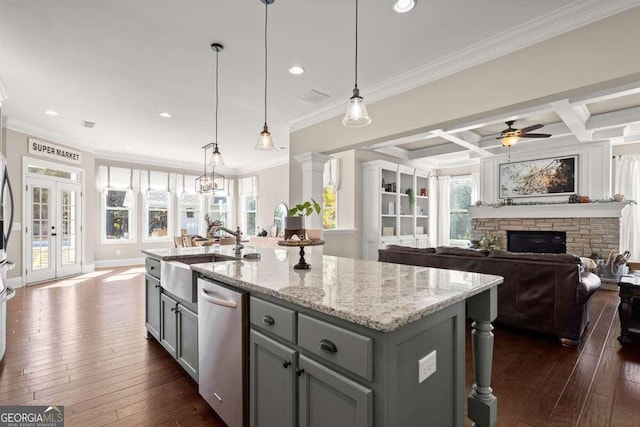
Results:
<point x="48" y="135"/>
<point x="570" y="17"/>
<point x="151" y="161"/>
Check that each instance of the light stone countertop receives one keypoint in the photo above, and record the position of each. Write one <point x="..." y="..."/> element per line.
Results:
<point x="380" y="296"/>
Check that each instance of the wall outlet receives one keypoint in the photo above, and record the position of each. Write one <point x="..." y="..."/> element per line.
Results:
<point x="426" y="366"/>
<point x="118" y="252"/>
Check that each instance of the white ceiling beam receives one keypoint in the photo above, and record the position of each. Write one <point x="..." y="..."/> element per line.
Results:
<point x="456" y="140"/>
<point x="403" y="140"/>
<point x="436" y="150"/>
<point x="467" y="135"/>
<point x="575" y="117"/>
<point x="500" y="118"/>
<point x="614" y="119"/>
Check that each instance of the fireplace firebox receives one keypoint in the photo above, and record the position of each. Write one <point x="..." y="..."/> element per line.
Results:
<point x="554" y="242"/>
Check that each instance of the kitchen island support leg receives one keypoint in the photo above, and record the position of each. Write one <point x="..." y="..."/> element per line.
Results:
<point x="482" y="404"/>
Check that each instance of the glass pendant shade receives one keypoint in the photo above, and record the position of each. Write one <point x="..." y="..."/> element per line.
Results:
<point x="508" y="141"/>
<point x="356" y="115"/>
<point x="264" y="141"/>
<point x="216" y="157"/>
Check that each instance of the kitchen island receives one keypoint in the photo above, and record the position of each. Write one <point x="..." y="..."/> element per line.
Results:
<point x="355" y="343"/>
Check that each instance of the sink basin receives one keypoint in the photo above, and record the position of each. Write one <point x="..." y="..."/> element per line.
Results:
<point x="176" y="276"/>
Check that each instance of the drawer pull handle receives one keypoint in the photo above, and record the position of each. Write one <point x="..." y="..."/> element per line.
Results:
<point x="158" y="285"/>
<point x="152" y="268"/>
<point x="286" y="364"/>
<point x="328" y="346"/>
<point x="268" y="320"/>
<point x="299" y="371"/>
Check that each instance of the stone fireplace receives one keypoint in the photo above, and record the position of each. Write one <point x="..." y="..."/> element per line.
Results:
<point x="590" y="227"/>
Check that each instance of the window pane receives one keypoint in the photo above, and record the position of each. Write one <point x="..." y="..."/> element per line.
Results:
<point x="117" y="225"/>
<point x="115" y="198"/>
<point x="460" y="226"/>
<point x="189" y="219"/>
<point x="157" y="222"/>
<point x="328" y="208"/>
<point x="251" y="224"/>
<point x="460" y="196"/>
<point x="52" y="172"/>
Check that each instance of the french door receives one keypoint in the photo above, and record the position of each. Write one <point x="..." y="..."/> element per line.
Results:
<point x="53" y="230"/>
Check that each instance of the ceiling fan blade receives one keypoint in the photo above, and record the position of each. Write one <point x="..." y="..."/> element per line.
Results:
<point x="535" y="135"/>
<point x="530" y="128"/>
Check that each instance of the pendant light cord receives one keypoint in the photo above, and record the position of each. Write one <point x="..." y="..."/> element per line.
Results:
<point x="356" y="68"/>
<point x="266" y="11"/>
<point x="217" y="54"/>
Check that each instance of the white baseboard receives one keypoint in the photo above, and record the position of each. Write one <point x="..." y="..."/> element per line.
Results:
<point x="124" y="262"/>
<point x="15" y="282"/>
<point x="89" y="268"/>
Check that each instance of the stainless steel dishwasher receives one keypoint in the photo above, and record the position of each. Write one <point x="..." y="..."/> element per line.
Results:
<point x="222" y="351"/>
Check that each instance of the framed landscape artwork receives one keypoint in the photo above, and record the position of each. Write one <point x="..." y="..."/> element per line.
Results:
<point x="542" y="177"/>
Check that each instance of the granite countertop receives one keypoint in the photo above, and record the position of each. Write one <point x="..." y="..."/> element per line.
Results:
<point x="171" y="254"/>
<point x="380" y="296"/>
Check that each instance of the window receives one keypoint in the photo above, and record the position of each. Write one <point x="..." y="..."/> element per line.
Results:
<point x="157" y="214"/>
<point x="118" y="216"/>
<point x="459" y="200"/>
<point x="329" y="208"/>
<point x="249" y="209"/>
<point x="190" y="214"/>
<point x="219" y="208"/>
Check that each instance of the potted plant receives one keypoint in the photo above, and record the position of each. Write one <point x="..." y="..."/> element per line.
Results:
<point x="294" y="221"/>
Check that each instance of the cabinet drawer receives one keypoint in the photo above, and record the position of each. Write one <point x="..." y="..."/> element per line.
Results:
<point x="352" y="351"/>
<point x="153" y="267"/>
<point x="273" y="318"/>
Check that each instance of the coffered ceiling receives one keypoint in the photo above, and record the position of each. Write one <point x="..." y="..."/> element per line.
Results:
<point x="121" y="63"/>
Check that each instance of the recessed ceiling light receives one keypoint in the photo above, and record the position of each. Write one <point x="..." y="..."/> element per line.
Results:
<point x="51" y="113"/>
<point x="128" y="147"/>
<point x="296" y="69"/>
<point x="165" y="115"/>
<point x="402" y="6"/>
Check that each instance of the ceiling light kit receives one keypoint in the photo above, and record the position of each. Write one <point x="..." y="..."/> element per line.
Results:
<point x="403" y="6"/>
<point x="212" y="181"/>
<point x="356" y="115"/>
<point x="264" y="141"/>
<point x="510" y="136"/>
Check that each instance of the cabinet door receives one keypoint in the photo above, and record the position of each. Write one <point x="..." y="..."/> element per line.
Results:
<point x="168" y="324"/>
<point x="272" y="382"/>
<point x="187" y="348"/>
<point x="152" y="306"/>
<point x="330" y="399"/>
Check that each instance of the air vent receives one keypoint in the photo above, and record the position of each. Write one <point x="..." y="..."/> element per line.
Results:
<point x="313" y="97"/>
<point x="86" y="124"/>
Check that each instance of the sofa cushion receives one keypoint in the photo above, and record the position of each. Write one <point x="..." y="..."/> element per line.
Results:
<point x="555" y="258"/>
<point x="450" y="250"/>
<point x="398" y="248"/>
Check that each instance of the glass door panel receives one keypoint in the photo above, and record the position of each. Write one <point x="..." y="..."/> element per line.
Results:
<point x="41" y="254"/>
<point x="69" y="232"/>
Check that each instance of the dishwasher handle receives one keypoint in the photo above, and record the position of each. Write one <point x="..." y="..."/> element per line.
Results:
<point x="217" y="301"/>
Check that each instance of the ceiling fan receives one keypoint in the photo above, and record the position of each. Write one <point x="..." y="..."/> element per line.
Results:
<point x="510" y="136"/>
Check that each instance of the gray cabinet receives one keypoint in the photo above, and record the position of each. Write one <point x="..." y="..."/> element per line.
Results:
<point x="327" y="398"/>
<point x="152" y="306"/>
<point x="168" y="324"/>
<point x="187" y="340"/>
<point x="273" y="383"/>
<point x="289" y="389"/>
<point x="179" y="333"/>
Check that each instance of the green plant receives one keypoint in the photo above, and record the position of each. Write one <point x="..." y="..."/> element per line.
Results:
<point x="490" y="242"/>
<point x="305" y="208"/>
<point x="412" y="196"/>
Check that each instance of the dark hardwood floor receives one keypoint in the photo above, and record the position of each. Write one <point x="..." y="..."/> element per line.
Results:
<point x="80" y="343"/>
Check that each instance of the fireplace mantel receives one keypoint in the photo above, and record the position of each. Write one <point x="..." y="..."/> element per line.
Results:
<point x="560" y="210"/>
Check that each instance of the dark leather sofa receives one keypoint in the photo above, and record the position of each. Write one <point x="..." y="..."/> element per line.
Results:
<point x="547" y="293"/>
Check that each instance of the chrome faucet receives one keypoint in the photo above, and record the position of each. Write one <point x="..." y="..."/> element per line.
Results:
<point x="215" y="226"/>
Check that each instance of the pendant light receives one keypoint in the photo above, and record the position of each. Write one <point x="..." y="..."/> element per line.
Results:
<point x="264" y="141"/>
<point x="216" y="157"/>
<point x="212" y="181"/>
<point x="356" y="115"/>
